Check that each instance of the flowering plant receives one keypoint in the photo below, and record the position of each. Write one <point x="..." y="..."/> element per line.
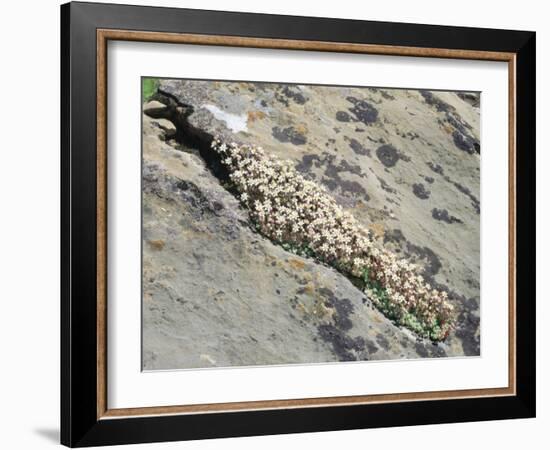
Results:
<point x="298" y="214"/>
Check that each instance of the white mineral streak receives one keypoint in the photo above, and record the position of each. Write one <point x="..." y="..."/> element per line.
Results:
<point x="234" y="122"/>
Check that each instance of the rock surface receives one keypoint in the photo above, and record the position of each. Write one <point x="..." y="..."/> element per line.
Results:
<point x="404" y="162"/>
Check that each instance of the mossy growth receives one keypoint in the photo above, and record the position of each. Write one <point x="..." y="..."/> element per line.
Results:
<point x="149" y="88"/>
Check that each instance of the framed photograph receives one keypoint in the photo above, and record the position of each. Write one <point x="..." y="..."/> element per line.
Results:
<point x="276" y="224"/>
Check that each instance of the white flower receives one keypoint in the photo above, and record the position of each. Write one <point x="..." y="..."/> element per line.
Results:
<point x="280" y="199"/>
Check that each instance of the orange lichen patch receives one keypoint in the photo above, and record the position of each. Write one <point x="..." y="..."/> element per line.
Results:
<point x="269" y="259"/>
<point x="307" y="277"/>
<point x="301" y="308"/>
<point x="376" y="319"/>
<point x="301" y="128"/>
<point x="156" y="244"/>
<point x="255" y="115"/>
<point x="377" y="230"/>
<point x="296" y="264"/>
<point x="448" y="129"/>
<point x="324" y="312"/>
<point x="309" y="289"/>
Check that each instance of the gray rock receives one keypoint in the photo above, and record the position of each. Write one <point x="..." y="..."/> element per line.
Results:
<point x="168" y="128"/>
<point x="342" y="155"/>
<point x="154" y="108"/>
<point x="216" y="293"/>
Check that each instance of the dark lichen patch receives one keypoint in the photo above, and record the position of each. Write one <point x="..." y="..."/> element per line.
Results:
<point x="475" y="202"/>
<point x="472" y="98"/>
<point x="294" y="94"/>
<point x="435" y="167"/>
<point x="282" y="99"/>
<point x="382" y="342"/>
<point x="342" y="306"/>
<point x="192" y="194"/>
<point x="388" y="155"/>
<point x="432" y="264"/>
<point x="385" y="186"/>
<point x="392" y="201"/>
<point x="217" y="206"/>
<point x="386" y="95"/>
<point x="433" y="100"/>
<point x="307" y="162"/>
<point x="184" y="185"/>
<point x="420" y="191"/>
<point x="466" y="143"/>
<point x="437" y="351"/>
<point x="421" y="350"/>
<point x="404" y="157"/>
<point x="429" y="180"/>
<point x="343" y="309"/>
<point x="374" y="141"/>
<point x="425" y="350"/>
<point x="343" y="116"/>
<point x="289" y="134"/>
<point x="456" y="122"/>
<point x="357" y="147"/>
<point x="411" y="135"/>
<point x="444" y="216"/>
<point x="345" y="186"/>
<point x="332" y="178"/>
<point x="345" y="347"/>
<point x="467" y="333"/>
<point x="416" y="253"/>
<point x="371" y="347"/>
<point x="355" y="169"/>
<point x="363" y="111"/>
<point x="394" y="236"/>
<point x="462" y="136"/>
<point x="472" y="303"/>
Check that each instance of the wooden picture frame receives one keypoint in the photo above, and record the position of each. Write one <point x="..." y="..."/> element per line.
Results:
<point x="86" y="418"/>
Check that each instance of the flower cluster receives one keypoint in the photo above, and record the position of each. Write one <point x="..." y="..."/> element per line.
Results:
<point x="296" y="212"/>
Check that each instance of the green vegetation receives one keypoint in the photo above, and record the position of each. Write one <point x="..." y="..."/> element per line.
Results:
<point x="300" y="250"/>
<point x="149" y="87"/>
<point x="408" y="319"/>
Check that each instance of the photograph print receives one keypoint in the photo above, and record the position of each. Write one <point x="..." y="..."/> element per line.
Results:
<point x="300" y="224"/>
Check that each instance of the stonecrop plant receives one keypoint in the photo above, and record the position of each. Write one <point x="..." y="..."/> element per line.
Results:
<point x="301" y="216"/>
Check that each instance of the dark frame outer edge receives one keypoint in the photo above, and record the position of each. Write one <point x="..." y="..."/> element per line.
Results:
<point x="65" y="227"/>
<point x="525" y="223"/>
<point x="79" y="425"/>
